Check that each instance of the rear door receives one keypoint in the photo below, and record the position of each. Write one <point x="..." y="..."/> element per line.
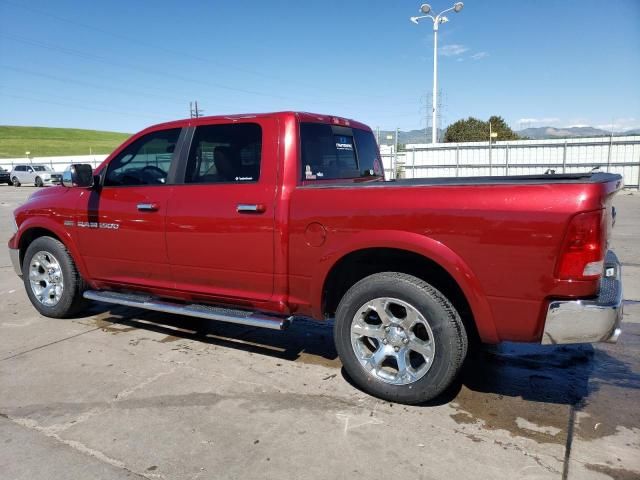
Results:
<point x="220" y="219"/>
<point x="19" y="172"/>
<point x="121" y="226"/>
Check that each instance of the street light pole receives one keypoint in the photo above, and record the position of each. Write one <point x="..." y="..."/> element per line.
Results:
<point x="434" y="100"/>
<point x="437" y="20"/>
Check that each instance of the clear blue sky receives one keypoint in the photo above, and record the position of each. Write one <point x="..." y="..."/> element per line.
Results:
<point x="122" y="65"/>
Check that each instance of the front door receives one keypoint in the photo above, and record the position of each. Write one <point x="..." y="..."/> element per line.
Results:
<point x="220" y="220"/>
<point x="28" y="176"/>
<point x="121" y="226"/>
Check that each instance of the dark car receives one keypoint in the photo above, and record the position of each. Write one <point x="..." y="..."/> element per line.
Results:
<point x="4" y="176"/>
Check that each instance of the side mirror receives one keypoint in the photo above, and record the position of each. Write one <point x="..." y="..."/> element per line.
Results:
<point x="78" y="175"/>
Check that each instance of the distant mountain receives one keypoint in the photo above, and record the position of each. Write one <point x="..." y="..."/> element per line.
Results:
<point x="540" y="133"/>
<point x="536" y="133"/>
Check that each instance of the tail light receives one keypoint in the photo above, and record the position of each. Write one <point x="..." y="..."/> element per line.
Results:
<point x="583" y="248"/>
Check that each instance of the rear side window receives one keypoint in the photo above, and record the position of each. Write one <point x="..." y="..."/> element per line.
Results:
<point x="334" y="152"/>
<point x="225" y="154"/>
<point x="145" y="162"/>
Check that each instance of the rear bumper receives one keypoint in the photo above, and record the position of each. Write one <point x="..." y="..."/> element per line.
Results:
<point x="588" y="321"/>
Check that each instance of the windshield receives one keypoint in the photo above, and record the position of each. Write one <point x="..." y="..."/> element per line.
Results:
<point x="40" y="168"/>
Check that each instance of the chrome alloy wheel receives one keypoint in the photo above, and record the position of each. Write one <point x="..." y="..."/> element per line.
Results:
<point x="45" y="277"/>
<point x="392" y="341"/>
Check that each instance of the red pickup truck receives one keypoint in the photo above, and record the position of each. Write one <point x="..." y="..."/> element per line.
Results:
<point x="259" y="219"/>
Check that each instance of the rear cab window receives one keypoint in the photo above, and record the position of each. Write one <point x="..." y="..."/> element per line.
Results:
<point x="334" y="152"/>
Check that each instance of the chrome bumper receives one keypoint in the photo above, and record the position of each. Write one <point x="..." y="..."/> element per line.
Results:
<point x="588" y="321"/>
<point x="14" y="253"/>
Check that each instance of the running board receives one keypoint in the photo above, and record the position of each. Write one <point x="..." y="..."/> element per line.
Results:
<point x="241" y="317"/>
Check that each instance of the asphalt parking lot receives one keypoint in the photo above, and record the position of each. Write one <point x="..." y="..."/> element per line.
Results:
<point x="123" y="393"/>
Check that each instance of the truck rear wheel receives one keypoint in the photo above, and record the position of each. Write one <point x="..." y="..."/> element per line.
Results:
<point x="51" y="279"/>
<point x="399" y="338"/>
<point x="15" y="182"/>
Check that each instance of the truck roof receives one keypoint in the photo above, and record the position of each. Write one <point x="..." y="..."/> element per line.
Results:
<point x="302" y="116"/>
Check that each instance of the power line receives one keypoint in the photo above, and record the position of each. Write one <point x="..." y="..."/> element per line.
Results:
<point x="155" y="73"/>
<point x="49" y="95"/>
<point x="82" y="107"/>
<point x="74" y="81"/>
<point x="180" y="54"/>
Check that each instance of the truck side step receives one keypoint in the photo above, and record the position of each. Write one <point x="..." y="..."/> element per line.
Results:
<point x="147" y="302"/>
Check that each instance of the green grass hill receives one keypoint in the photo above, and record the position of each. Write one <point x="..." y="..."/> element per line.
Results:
<point x="46" y="142"/>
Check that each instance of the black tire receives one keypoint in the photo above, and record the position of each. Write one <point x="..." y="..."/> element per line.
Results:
<point x="71" y="301"/>
<point x="15" y="182"/>
<point x="38" y="182"/>
<point x="448" y="336"/>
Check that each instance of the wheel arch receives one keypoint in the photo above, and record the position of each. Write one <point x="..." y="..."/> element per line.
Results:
<point x="413" y="254"/>
<point x="30" y="231"/>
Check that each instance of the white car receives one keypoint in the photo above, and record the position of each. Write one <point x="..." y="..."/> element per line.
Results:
<point x="38" y="175"/>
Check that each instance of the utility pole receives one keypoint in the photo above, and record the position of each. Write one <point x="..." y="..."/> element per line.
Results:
<point x="490" y="138"/>
<point x="194" y="111"/>
<point x="395" y="155"/>
<point x="396" y="140"/>
<point x="492" y="135"/>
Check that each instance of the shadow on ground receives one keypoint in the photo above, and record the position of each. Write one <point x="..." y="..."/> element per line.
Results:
<point x="523" y="388"/>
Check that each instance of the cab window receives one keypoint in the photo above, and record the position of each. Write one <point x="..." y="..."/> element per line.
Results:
<point x="145" y="162"/>
<point x="225" y="154"/>
<point x="336" y="152"/>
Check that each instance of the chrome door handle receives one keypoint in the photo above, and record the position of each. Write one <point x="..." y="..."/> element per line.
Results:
<point x="250" y="208"/>
<point x="148" y="207"/>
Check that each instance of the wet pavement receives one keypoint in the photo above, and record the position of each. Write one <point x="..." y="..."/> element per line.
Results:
<point x="123" y="393"/>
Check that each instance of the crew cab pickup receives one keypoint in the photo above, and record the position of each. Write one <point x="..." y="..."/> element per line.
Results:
<point x="259" y="219"/>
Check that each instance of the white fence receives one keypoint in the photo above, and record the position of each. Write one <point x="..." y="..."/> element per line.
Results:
<point x="523" y="157"/>
<point x="57" y="163"/>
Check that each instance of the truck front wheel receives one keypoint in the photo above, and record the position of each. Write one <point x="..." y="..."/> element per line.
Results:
<point x="51" y="279"/>
<point x="399" y="338"/>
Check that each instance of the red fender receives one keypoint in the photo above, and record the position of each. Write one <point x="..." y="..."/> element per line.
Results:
<point x="424" y="246"/>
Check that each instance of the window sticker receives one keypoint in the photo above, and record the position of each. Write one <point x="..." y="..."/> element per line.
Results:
<point x="308" y="174"/>
<point x="377" y="168"/>
<point x="344" y="143"/>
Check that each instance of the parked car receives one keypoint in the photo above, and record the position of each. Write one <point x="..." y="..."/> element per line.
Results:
<point x="259" y="219"/>
<point x="38" y="175"/>
<point x="4" y="176"/>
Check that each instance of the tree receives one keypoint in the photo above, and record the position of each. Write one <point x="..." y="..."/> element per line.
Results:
<point x="469" y="130"/>
<point x="500" y="126"/>
<point x="475" y="130"/>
